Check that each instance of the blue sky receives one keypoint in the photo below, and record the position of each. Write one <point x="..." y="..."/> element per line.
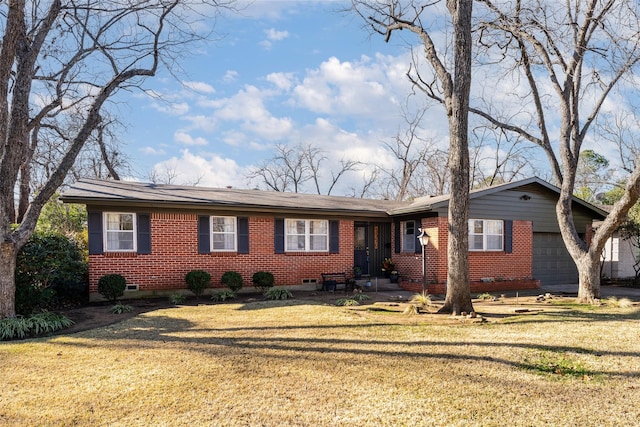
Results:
<point x="281" y="72"/>
<point x="284" y="72"/>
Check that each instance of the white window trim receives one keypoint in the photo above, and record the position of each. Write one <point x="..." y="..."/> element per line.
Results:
<point x="235" y="234"/>
<point x="484" y="236"/>
<point x="307" y="236"/>
<point x="105" y="241"/>
<point x="404" y="237"/>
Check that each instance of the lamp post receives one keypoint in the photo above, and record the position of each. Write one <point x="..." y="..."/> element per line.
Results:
<point x="423" y="238"/>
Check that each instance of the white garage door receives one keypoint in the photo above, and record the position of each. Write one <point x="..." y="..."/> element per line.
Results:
<point x="552" y="264"/>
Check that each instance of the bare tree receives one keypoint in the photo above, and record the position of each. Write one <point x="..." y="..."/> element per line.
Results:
<point x="293" y="166"/>
<point x="449" y="82"/>
<point x="572" y="55"/>
<point x="497" y="159"/>
<point x="413" y="151"/>
<point x="60" y="63"/>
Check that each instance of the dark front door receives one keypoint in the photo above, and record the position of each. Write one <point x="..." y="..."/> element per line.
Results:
<point x="361" y="247"/>
<point x="372" y="244"/>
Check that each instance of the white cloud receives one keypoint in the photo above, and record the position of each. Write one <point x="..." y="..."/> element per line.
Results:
<point x="153" y="151"/>
<point x="275" y="35"/>
<point x="230" y="76"/>
<point x="206" y="169"/>
<point x="282" y="81"/>
<point x="186" y="139"/>
<point x="171" y="108"/>
<point x="200" y="87"/>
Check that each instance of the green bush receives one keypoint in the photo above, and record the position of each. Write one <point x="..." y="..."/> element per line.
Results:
<point x="121" y="308"/>
<point x="278" y="293"/>
<point x="37" y="324"/>
<point x="112" y="286"/>
<point x="223" y="295"/>
<point x="177" y="298"/>
<point x="197" y="281"/>
<point x="233" y="280"/>
<point x="263" y="280"/>
<point x="50" y="270"/>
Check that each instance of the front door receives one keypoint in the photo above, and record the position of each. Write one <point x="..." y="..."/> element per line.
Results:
<point x="372" y="244"/>
<point x="361" y="247"/>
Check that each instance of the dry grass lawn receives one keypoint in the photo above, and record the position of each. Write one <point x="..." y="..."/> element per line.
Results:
<point x="305" y="363"/>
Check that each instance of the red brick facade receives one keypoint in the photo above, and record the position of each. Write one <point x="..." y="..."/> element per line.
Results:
<point x="174" y="252"/>
<point x="494" y="267"/>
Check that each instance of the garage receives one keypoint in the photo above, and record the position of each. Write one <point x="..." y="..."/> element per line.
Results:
<point x="552" y="264"/>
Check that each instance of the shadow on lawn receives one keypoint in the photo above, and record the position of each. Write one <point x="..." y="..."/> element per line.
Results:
<point x="156" y="331"/>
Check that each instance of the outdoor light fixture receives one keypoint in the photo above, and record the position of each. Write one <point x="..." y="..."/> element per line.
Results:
<point x="423" y="238"/>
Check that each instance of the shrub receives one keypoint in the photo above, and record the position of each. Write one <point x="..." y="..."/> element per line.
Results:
<point x="360" y="297"/>
<point x="112" y="286"/>
<point x="424" y="299"/>
<point x="233" y="280"/>
<point x="37" y="324"/>
<point x="121" y="308"/>
<point x="177" y="298"/>
<point x="278" y="293"/>
<point x="50" y="270"/>
<point x="223" y="295"/>
<point x="346" y="302"/>
<point x="485" y="296"/>
<point x="197" y="281"/>
<point x="263" y="280"/>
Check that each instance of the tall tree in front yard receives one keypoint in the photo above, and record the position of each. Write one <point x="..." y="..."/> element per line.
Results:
<point x="564" y="64"/>
<point x="60" y="64"/>
<point x="449" y="82"/>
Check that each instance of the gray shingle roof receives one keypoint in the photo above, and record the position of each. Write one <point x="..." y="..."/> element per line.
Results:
<point x="102" y="192"/>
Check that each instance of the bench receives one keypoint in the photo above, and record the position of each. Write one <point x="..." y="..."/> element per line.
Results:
<point x="331" y="282"/>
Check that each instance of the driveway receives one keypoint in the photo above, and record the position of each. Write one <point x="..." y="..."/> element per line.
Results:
<point x="605" y="291"/>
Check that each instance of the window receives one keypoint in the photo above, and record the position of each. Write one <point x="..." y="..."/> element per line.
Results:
<point x="120" y="232"/>
<point x="408" y="236"/>
<point x="306" y="235"/>
<point x="486" y="235"/>
<point x="223" y="233"/>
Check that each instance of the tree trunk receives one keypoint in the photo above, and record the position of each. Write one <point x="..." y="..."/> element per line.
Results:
<point x="458" y="297"/>
<point x="8" y="253"/>
<point x="589" y="276"/>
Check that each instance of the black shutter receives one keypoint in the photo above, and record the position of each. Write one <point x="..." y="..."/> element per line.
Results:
<point x="94" y="225"/>
<point x="508" y="236"/>
<point x="396" y="226"/>
<point x="278" y="241"/>
<point x="243" y="235"/>
<point x="203" y="235"/>
<point x="334" y="237"/>
<point x="144" y="233"/>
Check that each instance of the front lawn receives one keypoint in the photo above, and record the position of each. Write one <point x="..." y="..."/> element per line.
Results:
<point x="300" y="363"/>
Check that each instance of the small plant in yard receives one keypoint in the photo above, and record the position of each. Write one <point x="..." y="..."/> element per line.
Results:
<point x="197" y="281"/>
<point x="619" y="303"/>
<point x="359" y="296"/>
<point x="112" y="286"/>
<point x="263" y="280"/>
<point x="34" y="325"/>
<point x="223" y="295"/>
<point x="233" y="280"/>
<point x="177" y="298"/>
<point x="346" y="302"/>
<point x="410" y="310"/>
<point x="423" y="299"/>
<point x="485" y="296"/>
<point x="278" y="293"/>
<point x="121" y="308"/>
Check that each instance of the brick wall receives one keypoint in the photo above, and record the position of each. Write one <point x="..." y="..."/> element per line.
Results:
<point x="497" y="265"/>
<point x="174" y="252"/>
